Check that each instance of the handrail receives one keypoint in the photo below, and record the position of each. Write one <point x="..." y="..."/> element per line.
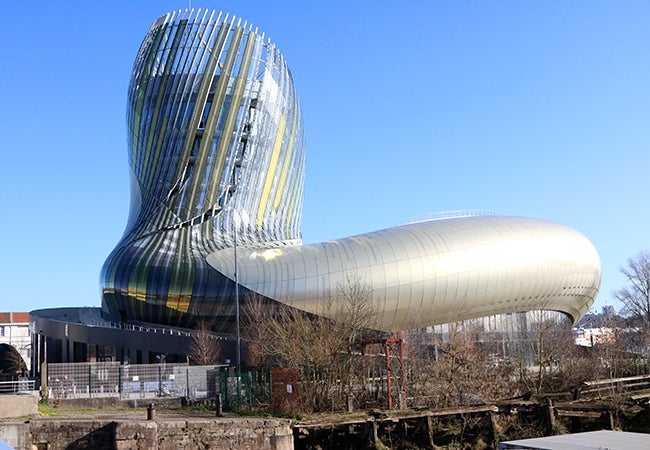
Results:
<point x="90" y="316"/>
<point x="14" y="387"/>
<point x="451" y="214"/>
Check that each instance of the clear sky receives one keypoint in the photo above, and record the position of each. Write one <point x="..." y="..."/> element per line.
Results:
<point x="536" y="109"/>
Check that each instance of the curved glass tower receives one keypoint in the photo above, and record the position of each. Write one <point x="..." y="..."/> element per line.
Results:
<point x="216" y="155"/>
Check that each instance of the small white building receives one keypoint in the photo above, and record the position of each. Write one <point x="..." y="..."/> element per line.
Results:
<point x="14" y="330"/>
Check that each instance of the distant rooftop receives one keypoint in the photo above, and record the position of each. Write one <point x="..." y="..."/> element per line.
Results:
<point x="14" y="317"/>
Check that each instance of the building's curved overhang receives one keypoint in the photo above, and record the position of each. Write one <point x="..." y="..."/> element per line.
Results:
<point x="432" y="272"/>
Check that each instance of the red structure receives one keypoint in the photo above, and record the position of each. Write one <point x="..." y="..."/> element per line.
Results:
<point x="390" y="346"/>
<point x="285" y="391"/>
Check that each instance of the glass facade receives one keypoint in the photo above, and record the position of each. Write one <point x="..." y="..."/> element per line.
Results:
<point x="216" y="155"/>
<point x="216" y="152"/>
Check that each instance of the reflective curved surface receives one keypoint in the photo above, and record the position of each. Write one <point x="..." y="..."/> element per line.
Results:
<point x="216" y="155"/>
<point x="215" y="142"/>
<point x="433" y="272"/>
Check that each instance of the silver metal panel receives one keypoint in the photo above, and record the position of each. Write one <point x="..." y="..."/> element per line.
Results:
<point x="437" y="271"/>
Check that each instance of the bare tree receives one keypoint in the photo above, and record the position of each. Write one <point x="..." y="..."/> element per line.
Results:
<point x="321" y="348"/>
<point x="550" y="341"/>
<point x="635" y="297"/>
<point x="205" y="349"/>
<point x="610" y="352"/>
<point x="356" y="313"/>
<point x="456" y="367"/>
<point x="256" y="317"/>
<point x="547" y="345"/>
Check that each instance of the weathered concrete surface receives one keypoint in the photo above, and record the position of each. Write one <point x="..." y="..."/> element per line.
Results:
<point x="162" y="434"/>
<point x="18" y="405"/>
<point x="111" y="402"/>
<point x="15" y="433"/>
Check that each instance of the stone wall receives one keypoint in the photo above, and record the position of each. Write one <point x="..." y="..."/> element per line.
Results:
<point x="165" y="434"/>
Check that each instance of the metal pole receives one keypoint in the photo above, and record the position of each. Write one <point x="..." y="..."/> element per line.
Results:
<point x="389" y="386"/>
<point x="401" y="347"/>
<point x="238" y="349"/>
<point x="364" y="376"/>
<point x="43" y="365"/>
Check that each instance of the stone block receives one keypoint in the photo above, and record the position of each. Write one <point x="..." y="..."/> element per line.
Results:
<point x="19" y="405"/>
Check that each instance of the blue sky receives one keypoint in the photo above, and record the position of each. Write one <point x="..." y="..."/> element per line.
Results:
<point x="533" y="109"/>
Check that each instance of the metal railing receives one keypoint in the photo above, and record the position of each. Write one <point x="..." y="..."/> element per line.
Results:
<point x="111" y="379"/>
<point x="92" y="316"/>
<point x="22" y="385"/>
<point x="451" y="214"/>
<point x="145" y="381"/>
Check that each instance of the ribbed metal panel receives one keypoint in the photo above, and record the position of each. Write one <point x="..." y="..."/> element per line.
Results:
<point x="208" y="143"/>
<point x="433" y="272"/>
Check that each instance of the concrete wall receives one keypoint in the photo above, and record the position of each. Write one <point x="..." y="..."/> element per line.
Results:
<point x="12" y="406"/>
<point x="166" y="434"/>
<point x="15" y="434"/>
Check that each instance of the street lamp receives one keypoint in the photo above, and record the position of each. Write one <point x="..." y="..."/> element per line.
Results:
<point x="238" y="218"/>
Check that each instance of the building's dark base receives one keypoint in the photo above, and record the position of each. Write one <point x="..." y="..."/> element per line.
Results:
<point x="81" y="335"/>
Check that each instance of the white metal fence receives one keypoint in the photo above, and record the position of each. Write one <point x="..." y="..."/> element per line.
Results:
<point x="111" y="379"/>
